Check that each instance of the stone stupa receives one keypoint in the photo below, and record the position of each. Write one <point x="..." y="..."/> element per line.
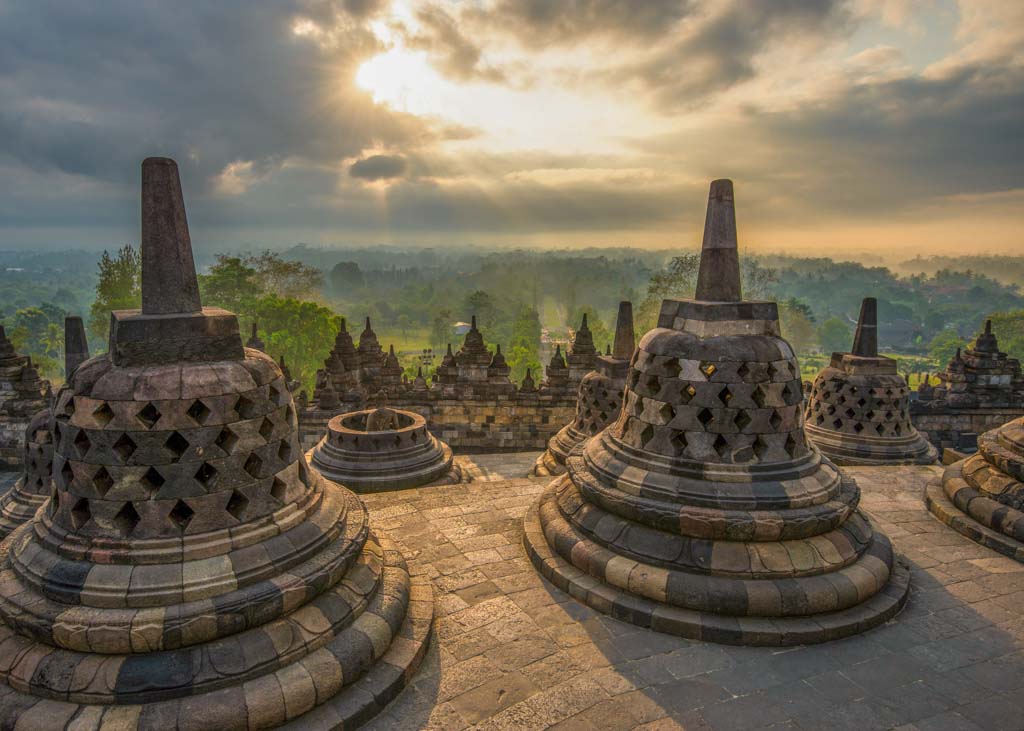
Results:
<point x="982" y="496"/>
<point x="35" y="485"/>
<point x="22" y="396"/>
<point x="190" y="570"/>
<point x="703" y="511"/>
<point x="858" y="412"/>
<point x="598" y="401"/>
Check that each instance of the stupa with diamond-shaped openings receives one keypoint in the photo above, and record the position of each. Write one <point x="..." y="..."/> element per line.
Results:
<point x="189" y="569"/>
<point x="703" y="511"/>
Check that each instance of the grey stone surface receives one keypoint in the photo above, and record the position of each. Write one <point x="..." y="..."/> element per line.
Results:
<point x="718" y="279"/>
<point x="625" y="338"/>
<point x="512" y="651"/>
<point x="865" y="340"/>
<point x="76" y="346"/>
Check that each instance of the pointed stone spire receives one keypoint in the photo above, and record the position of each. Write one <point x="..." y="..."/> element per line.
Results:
<point x="865" y="341"/>
<point x="718" y="279"/>
<point x="76" y="347"/>
<point x="6" y="347"/>
<point x="254" y="340"/>
<point x="986" y="342"/>
<point x="169" y="284"/>
<point x="608" y="349"/>
<point x="625" y="340"/>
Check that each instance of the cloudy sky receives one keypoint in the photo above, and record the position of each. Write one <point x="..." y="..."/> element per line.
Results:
<point x="880" y="126"/>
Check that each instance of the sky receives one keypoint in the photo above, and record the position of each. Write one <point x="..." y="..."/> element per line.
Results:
<point x="882" y="127"/>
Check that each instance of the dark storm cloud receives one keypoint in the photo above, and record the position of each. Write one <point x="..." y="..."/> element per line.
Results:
<point x="379" y="167"/>
<point x="91" y="89"/>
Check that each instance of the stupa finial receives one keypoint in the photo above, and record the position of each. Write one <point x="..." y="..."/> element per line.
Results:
<point x="718" y="279"/>
<point x="169" y="284"/>
<point x="625" y="340"/>
<point x="76" y="347"/>
<point x="865" y="341"/>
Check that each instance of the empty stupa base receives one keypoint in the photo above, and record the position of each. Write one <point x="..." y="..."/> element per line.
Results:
<point x="357" y="668"/>
<point x="624" y="589"/>
<point x="847" y="451"/>
<point x="973" y="515"/>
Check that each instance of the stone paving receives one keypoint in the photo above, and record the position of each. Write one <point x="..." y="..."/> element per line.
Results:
<point x="511" y="651"/>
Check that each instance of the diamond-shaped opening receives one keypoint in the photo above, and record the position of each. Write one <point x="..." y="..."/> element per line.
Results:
<point x="266" y="429"/>
<point x="898" y="429"/>
<point x="758" y="397"/>
<point x="841" y="400"/>
<point x="653" y="384"/>
<point x="825" y="394"/>
<point x="850" y="413"/>
<point x="760" y="448"/>
<point x="725" y="395"/>
<point x="69" y="407"/>
<point x="634" y="379"/>
<point x="646" y="435"/>
<point x="722" y="447"/>
<point x="704" y="417"/>
<point x="198" y="412"/>
<point x="858" y="427"/>
<point x="888" y="392"/>
<point x="284" y="451"/>
<point x="102" y="481"/>
<point x="126" y="519"/>
<point x="181" y="515"/>
<point x="870" y="415"/>
<point x="837" y="424"/>
<point x="672" y="368"/>
<point x="820" y="420"/>
<point x="888" y="416"/>
<point x="880" y="428"/>
<point x="67" y="473"/>
<point x="679" y="443"/>
<point x="667" y="413"/>
<point x="253" y="465"/>
<point x="772" y="370"/>
<point x="278" y="490"/>
<point x="830" y="410"/>
<point x="775" y="419"/>
<point x="149" y="415"/>
<point x="81" y="443"/>
<point x="743" y="371"/>
<point x="206" y="474"/>
<point x="791" y="446"/>
<point x="237" y="504"/>
<point x="226" y="440"/>
<point x="687" y="393"/>
<point x="861" y="402"/>
<point x="708" y="369"/>
<point x="245" y="408"/>
<point x="80" y="513"/>
<point x="742" y="420"/>
<point x="124" y="447"/>
<point x="152" y="480"/>
<point x="177" y="445"/>
<point x="103" y="414"/>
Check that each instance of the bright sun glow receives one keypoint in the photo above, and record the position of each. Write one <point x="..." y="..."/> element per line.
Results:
<point x="403" y="80"/>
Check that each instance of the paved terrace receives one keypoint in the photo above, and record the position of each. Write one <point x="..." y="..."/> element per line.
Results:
<point x="512" y="652"/>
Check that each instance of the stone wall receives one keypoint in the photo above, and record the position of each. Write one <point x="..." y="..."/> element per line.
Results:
<point x="12" y="441"/>
<point x="522" y="422"/>
<point x="958" y="429"/>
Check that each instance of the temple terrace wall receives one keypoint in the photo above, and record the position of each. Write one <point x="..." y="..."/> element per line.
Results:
<point x="504" y="424"/>
<point x="958" y="428"/>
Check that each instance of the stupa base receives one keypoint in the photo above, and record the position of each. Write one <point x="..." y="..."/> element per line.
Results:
<point x="939" y="504"/>
<point x="691" y="624"/>
<point x="309" y="693"/>
<point x="847" y="450"/>
<point x="547" y="465"/>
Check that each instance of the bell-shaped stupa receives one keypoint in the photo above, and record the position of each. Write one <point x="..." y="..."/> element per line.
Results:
<point x="703" y="511"/>
<point x="190" y="569"/>
<point x="598" y="401"/>
<point x="982" y="496"/>
<point x="858" y="412"/>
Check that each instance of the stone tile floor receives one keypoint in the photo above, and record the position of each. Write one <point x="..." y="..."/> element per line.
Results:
<point x="511" y="651"/>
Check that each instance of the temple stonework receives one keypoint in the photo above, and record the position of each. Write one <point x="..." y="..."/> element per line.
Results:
<point x="704" y="511"/>
<point x="858" y="412"/>
<point x="599" y="398"/>
<point x="22" y="396"/>
<point x="189" y="570"/>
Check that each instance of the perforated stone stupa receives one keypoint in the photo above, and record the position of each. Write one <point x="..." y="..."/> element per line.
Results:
<point x="982" y="496"/>
<point x="35" y="484"/>
<point x="703" y="511"/>
<point x="599" y="400"/>
<point x="381" y="449"/>
<point x="189" y="569"/>
<point x="22" y="395"/>
<point x="858" y="412"/>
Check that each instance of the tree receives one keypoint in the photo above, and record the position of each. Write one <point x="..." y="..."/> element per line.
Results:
<point x="303" y="332"/>
<point x="482" y="305"/>
<point x="797" y="328"/>
<point x="52" y="340"/>
<point x="404" y="323"/>
<point x="231" y="284"/>
<point x="1009" y="330"/>
<point x="346" y="275"/>
<point x="441" y="331"/>
<point x="524" y="346"/>
<point x="118" y="287"/>
<point x="943" y="346"/>
<point x="676" y="281"/>
<point x="835" y="336"/>
<point x="288" y="279"/>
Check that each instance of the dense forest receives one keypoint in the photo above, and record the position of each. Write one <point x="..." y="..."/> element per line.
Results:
<point x="526" y="300"/>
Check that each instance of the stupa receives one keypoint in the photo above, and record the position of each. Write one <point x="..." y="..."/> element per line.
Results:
<point x="598" y="401"/>
<point x="982" y="496"/>
<point x="189" y="569"/>
<point x="35" y="484"/>
<point x="703" y="511"/>
<point x="254" y="340"/>
<point x="858" y="412"/>
<point x="22" y="395"/>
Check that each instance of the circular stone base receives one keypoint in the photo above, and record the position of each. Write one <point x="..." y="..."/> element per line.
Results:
<point x="848" y="450"/>
<point x="547" y="466"/>
<point x="942" y="507"/>
<point x="725" y="629"/>
<point x="259" y="703"/>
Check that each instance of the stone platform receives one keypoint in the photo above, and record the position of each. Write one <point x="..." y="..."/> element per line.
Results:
<point x="511" y="651"/>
